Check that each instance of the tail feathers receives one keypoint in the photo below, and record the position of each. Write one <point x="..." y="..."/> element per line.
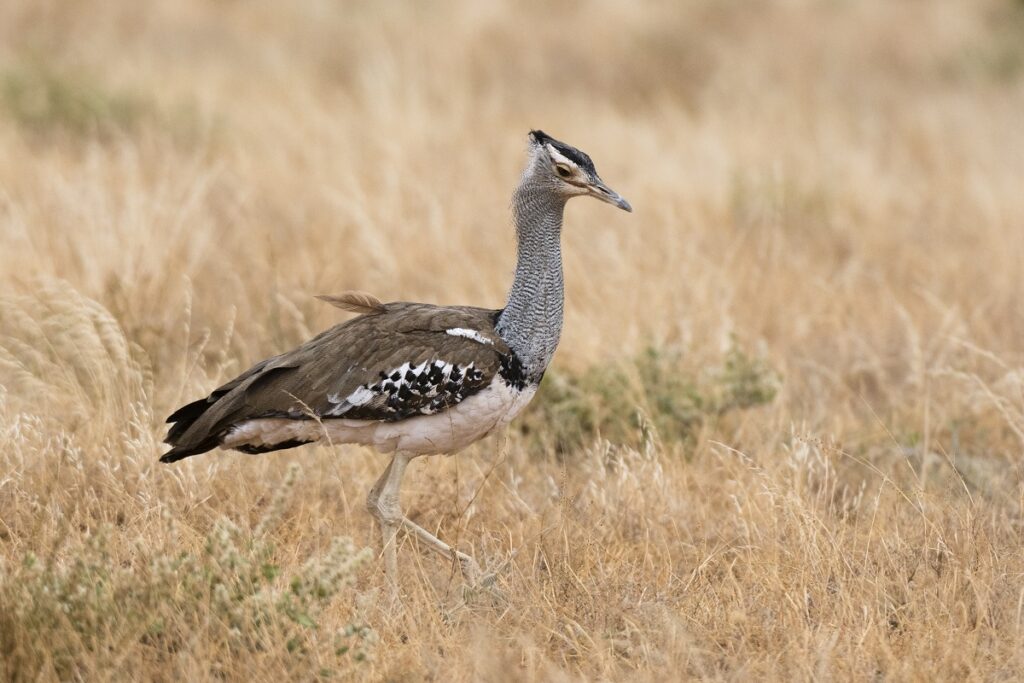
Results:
<point x="186" y="442"/>
<point x="183" y="418"/>
<point x="190" y="411"/>
<point x="181" y="452"/>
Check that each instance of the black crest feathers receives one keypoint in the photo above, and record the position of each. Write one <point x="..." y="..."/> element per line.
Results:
<point x="580" y="158"/>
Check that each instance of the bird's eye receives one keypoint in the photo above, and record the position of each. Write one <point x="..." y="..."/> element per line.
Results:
<point x="563" y="170"/>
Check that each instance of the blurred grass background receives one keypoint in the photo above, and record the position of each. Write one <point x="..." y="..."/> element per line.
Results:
<point x="782" y="436"/>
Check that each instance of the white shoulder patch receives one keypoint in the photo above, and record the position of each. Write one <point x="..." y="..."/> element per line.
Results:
<point x="469" y="334"/>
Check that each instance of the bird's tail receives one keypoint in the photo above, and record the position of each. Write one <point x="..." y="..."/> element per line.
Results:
<point x="180" y="421"/>
<point x="180" y="453"/>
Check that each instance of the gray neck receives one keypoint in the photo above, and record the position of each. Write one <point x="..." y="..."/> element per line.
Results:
<point x="531" y="322"/>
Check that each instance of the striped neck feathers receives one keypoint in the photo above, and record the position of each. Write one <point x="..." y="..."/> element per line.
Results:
<point x="531" y="322"/>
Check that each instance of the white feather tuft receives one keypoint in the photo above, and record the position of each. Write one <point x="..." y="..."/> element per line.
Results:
<point x="469" y="334"/>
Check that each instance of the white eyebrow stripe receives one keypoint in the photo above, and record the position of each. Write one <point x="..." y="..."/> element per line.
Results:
<point x="469" y="334"/>
<point x="559" y="157"/>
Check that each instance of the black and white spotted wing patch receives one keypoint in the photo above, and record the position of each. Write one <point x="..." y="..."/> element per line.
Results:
<point x="405" y="391"/>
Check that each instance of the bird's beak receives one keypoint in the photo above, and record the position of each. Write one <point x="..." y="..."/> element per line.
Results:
<point x="606" y="194"/>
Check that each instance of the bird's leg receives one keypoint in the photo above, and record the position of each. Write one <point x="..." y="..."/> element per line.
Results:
<point x="470" y="569"/>
<point x="383" y="503"/>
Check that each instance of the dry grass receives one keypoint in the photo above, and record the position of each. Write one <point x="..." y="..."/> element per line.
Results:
<point x="828" y="197"/>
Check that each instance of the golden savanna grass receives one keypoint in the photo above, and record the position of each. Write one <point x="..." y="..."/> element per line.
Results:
<point x="783" y="435"/>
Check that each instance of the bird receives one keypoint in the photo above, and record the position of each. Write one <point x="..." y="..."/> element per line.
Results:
<point x="412" y="379"/>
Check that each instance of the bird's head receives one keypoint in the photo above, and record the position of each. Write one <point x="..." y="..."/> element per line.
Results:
<point x="568" y="171"/>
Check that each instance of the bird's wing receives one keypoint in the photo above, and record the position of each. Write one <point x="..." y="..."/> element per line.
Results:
<point x="402" y="361"/>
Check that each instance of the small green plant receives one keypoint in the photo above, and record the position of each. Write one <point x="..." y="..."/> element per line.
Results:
<point x="616" y="401"/>
<point x="742" y="381"/>
<point x="46" y="101"/>
<point x="67" y="610"/>
<point x="998" y="56"/>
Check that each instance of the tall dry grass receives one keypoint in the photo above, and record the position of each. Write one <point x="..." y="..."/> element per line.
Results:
<point x="821" y="477"/>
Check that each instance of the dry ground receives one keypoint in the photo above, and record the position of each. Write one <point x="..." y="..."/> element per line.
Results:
<point x="825" y="262"/>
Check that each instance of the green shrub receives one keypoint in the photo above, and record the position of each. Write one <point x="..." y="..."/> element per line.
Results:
<point x="620" y="401"/>
<point x="66" y="614"/>
<point x="46" y="101"/>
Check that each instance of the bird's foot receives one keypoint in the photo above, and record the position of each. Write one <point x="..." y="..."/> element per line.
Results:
<point x="480" y="583"/>
<point x="486" y="587"/>
<point x="470" y="569"/>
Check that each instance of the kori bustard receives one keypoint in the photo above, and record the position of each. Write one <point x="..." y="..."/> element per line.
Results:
<point x="407" y="378"/>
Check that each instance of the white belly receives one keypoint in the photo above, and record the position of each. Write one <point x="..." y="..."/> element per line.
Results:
<point x="452" y="430"/>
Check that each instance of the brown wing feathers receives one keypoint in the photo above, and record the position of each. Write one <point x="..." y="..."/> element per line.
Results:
<point x="355" y="302"/>
<point x="400" y="357"/>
